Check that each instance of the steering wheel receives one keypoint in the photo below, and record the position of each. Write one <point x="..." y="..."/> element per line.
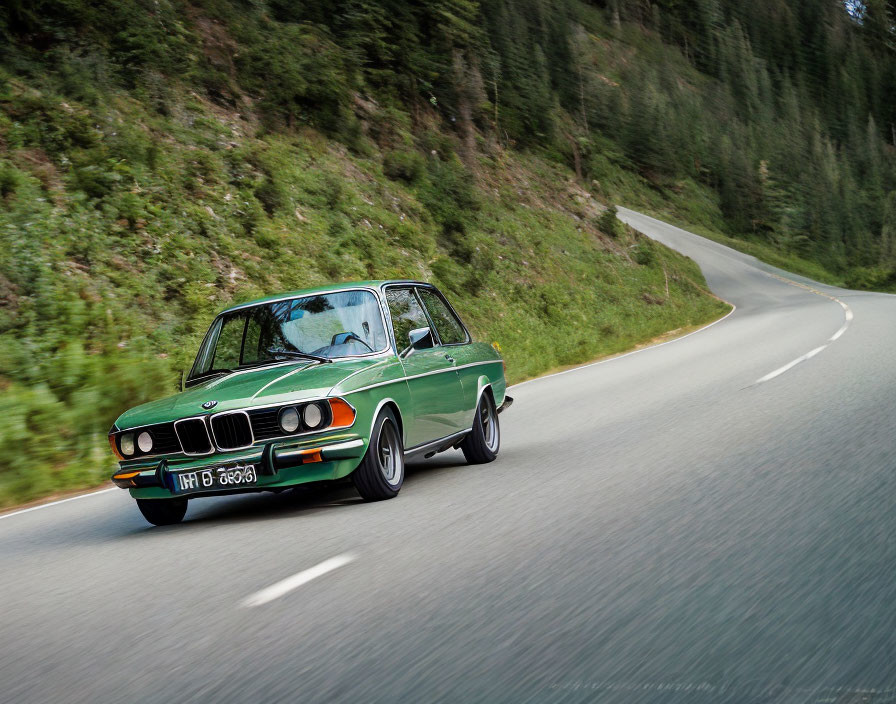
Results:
<point x="343" y="337"/>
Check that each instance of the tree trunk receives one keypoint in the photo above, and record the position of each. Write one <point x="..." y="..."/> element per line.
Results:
<point x="576" y="156"/>
<point x="463" y="89"/>
<point x="582" y="100"/>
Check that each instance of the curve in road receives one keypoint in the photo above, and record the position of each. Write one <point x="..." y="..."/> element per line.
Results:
<point x="658" y="528"/>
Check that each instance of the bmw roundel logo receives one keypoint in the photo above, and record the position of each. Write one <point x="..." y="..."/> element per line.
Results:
<point x="208" y="405"/>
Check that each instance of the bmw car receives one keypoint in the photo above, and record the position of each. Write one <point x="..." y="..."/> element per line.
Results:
<point x="343" y="381"/>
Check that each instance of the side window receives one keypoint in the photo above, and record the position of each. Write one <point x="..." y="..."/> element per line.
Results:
<point x="447" y="325"/>
<point x="406" y="314"/>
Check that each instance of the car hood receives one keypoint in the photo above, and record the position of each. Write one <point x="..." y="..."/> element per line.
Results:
<point x="284" y="383"/>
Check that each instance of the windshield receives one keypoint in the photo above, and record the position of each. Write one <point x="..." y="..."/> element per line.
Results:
<point x="344" y="324"/>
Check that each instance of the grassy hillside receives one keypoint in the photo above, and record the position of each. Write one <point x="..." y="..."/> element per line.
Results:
<point x="160" y="159"/>
<point x="123" y="230"/>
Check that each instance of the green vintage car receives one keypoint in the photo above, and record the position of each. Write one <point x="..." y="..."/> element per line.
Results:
<point x="340" y="381"/>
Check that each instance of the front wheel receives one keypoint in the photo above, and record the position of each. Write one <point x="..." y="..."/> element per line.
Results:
<point x="484" y="440"/>
<point x="381" y="472"/>
<point x="163" y="512"/>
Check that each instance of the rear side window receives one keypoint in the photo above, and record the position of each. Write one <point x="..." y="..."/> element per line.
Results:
<point x="447" y="325"/>
<point x="406" y="314"/>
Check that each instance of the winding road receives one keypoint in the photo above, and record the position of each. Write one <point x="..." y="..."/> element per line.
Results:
<point x="709" y="520"/>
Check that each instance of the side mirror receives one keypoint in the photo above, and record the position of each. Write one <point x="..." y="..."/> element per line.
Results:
<point x="419" y="339"/>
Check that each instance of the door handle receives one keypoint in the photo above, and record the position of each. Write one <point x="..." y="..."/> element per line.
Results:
<point x="449" y="358"/>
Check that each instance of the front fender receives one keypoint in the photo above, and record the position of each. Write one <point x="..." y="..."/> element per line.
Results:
<point x="369" y="402"/>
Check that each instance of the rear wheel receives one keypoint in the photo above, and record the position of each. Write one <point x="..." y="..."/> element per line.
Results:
<point x="163" y="512"/>
<point x="484" y="440"/>
<point x="381" y="472"/>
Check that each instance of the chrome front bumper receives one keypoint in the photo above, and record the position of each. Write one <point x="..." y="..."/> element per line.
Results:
<point x="276" y="462"/>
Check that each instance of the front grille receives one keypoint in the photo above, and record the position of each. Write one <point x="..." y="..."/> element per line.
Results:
<point x="193" y="436"/>
<point x="232" y="431"/>
<point x="265" y="424"/>
<point x="164" y="440"/>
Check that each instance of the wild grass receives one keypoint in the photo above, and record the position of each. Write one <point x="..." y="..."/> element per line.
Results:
<point x="124" y="229"/>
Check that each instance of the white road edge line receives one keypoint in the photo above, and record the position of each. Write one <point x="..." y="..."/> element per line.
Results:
<point x="629" y="354"/>
<point x="56" y="503"/>
<point x="284" y="586"/>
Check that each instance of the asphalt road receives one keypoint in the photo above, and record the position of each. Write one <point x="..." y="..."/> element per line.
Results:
<point x="658" y="528"/>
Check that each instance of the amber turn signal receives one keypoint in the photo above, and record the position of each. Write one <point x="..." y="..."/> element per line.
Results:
<point x="311" y="455"/>
<point x="343" y="414"/>
<point x="126" y="475"/>
<point x="125" y="480"/>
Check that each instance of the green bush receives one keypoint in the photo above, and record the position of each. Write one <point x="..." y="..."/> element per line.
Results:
<point x="52" y="430"/>
<point x="10" y="180"/>
<point x="871" y="278"/>
<point x="610" y="224"/>
<point x="407" y="166"/>
<point x="94" y="180"/>
<point x="449" y="196"/>
<point x="644" y="253"/>
<point x="271" y="195"/>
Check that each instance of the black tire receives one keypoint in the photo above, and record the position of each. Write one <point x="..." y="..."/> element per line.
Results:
<point x="483" y="442"/>
<point x="163" y="512"/>
<point x="381" y="472"/>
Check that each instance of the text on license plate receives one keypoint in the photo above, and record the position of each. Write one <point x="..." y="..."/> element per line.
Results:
<point x="216" y="478"/>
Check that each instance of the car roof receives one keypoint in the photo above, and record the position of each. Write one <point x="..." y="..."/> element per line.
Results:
<point x="323" y="289"/>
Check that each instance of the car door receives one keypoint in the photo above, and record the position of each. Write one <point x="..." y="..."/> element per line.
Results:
<point x="433" y="382"/>
<point x="455" y="340"/>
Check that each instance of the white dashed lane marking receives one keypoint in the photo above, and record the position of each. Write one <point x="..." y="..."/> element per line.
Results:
<point x="847" y="315"/>
<point x="284" y="586"/>
<point x="790" y="365"/>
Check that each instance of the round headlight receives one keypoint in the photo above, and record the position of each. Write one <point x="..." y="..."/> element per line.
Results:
<point x="289" y="420"/>
<point x="127" y="444"/>
<point x="312" y="415"/>
<point x="144" y="441"/>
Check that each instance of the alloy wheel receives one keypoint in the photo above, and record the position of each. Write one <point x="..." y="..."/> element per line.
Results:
<point x="491" y="431"/>
<point x="389" y="454"/>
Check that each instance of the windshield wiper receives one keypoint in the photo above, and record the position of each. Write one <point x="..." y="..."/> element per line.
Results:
<point x="299" y="355"/>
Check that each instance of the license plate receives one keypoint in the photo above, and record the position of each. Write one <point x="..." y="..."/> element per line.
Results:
<point x="215" y="478"/>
